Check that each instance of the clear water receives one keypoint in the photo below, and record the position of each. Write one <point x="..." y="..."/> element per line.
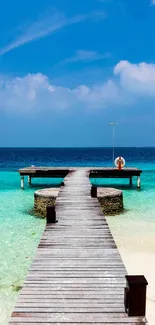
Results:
<point x="139" y="214"/>
<point x="21" y="231"/>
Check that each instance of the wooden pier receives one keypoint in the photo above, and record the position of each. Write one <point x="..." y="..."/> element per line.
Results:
<point x="77" y="276"/>
<point x="94" y="172"/>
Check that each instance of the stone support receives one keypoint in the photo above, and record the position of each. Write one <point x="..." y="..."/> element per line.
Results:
<point x="111" y="200"/>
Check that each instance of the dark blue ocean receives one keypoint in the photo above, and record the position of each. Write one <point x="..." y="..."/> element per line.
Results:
<point x="15" y="158"/>
<point x="134" y="230"/>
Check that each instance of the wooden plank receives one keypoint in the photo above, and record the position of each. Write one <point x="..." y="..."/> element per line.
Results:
<point x="45" y="322"/>
<point x="44" y="309"/>
<point x="104" y="288"/>
<point x="82" y="295"/>
<point x="79" y="280"/>
<point x="31" y="322"/>
<point x="75" y="317"/>
<point x="71" y="296"/>
<point x="68" y="304"/>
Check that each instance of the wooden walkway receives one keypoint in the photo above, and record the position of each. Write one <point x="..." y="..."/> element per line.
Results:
<point x="77" y="276"/>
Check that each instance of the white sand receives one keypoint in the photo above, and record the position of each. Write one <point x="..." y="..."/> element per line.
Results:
<point x="142" y="264"/>
<point x="135" y="237"/>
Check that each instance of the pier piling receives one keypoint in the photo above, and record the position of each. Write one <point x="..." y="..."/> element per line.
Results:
<point x="51" y="214"/>
<point x="130" y="180"/>
<point x="138" y="182"/>
<point x="29" y="180"/>
<point x="94" y="191"/>
<point x="135" y="295"/>
<point x="22" y="182"/>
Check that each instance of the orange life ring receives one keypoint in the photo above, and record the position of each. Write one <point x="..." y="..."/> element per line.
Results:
<point x="120" y="162"/>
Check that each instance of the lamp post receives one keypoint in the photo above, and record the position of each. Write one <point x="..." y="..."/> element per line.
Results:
<point x="113" y="124"/>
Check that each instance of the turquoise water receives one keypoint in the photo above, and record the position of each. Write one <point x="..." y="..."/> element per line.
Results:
<point x="136" y="226"/>
<point x="20" y="231"/>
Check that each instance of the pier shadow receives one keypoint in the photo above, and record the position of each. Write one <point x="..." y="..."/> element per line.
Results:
<point x="31" y="212"/>
<point x="42" y="186"/>
<point x="118" y="186"/>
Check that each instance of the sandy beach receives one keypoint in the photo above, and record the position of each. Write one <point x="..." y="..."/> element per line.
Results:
<point x="143" y="263"/>
<point x="138" y="262"/>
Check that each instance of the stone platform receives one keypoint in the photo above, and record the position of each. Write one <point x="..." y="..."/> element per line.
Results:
<point x="110" y="199"/>
<point x="44" y="197"/>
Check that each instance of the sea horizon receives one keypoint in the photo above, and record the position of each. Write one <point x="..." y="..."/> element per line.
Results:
<point x="76" y="147"/>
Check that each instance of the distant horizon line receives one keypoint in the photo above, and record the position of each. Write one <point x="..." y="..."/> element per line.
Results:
<point x="76" y="147"/>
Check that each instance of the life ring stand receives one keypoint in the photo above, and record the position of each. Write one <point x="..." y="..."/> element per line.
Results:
<point x="119" y="162"/>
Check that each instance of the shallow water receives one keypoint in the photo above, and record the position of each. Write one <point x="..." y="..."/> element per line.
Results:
<point x="139" y="213"/>
<point x="134" y="230"/>
<point x="20" y="233"/>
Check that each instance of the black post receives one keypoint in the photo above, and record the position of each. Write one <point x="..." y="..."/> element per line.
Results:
<point x="135" y="295"/>
<point x="130" y="180"/>
<point x="51" y="214"/>
<point x="94" y="191"/>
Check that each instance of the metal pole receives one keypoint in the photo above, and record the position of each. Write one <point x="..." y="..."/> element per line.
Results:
<point x="113" y="124"/>
<point x="113" y="144"/>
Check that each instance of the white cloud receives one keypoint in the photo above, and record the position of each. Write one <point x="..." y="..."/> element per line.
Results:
<point x="138" y="79"/>
<point x="38" y="29"/>
<point x="98" y="96"/>
<point x="153" y="2"/>
<point x="84" y="56"/>
<point x="47" y="25"/>
<point x="33" y="92"/>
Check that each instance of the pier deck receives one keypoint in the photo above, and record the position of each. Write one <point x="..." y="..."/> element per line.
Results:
<point x="94" y="172"/>
<point x="77" y="276"/>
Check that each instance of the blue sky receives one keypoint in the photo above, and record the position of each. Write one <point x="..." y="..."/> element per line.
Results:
<point x="68" y="68"/>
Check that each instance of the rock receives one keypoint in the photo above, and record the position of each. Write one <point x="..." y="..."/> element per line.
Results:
<point x="44" y="197"/>
<point x="111" y="200"/>
<point x="16" y="287"/>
